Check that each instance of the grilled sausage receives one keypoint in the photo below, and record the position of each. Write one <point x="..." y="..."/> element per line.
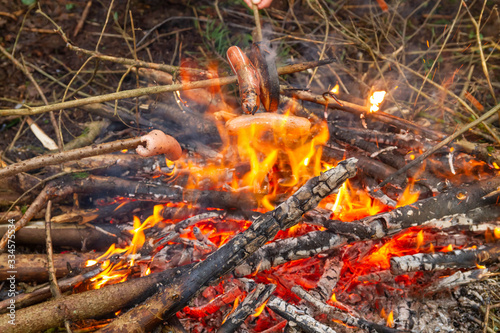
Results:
<point x="248" y="79"/>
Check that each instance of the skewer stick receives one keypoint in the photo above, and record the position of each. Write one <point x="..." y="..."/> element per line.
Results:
<point x="257" y="22"/>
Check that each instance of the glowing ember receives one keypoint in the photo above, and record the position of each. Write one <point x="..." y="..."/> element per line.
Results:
<point x="334" y="298"/>
<point x="496" y="232"/>
<point x="375" y="99"/>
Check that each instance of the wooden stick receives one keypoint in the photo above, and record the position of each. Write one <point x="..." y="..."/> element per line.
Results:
<point x="338" y="315"/>
<point x="290" y="312"/>
<point x="362" y="110"/>
<point x="252" y="301"/>
<point x="33" y="267"/>
<point x="69" y="155"/>
<point x="258" y="26"/>
<point x="43" y="293"/>
<point x="153" y="90"/>
<point x="467" y="258"/>
<point x="443" y="143"/>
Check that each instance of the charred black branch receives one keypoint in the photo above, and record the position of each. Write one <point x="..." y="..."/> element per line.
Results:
<point x="483" y="255"/>
<point x="457" y="279"/>
<point x="159" y="192"/>
<point x="345" y="318"/>
<point x="291" y="313"/>
<point x="394" y="160"/>
<point x="252" y="301"/>
<point x="284" y="250"/>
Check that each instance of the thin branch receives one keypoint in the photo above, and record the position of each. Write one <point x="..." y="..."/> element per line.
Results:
<point x="443" y="143"/>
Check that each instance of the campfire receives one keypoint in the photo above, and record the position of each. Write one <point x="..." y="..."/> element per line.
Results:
<point x="256" y="207"/>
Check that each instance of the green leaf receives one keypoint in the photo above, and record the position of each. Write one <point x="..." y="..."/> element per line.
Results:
<point x="24" y="208"/>
<point x="80" y="175"/>
<point x="70" y="6"/>
<point x="28" y="2"/>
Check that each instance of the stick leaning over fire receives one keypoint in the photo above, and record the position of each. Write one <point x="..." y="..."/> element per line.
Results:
<point x="155" y="142"/>
<point x="226" y="258"/>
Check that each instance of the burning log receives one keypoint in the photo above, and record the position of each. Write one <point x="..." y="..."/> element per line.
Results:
<point x="88" y="304"/>
<point x="158" y="192"/>
<point x="291" y="313"/>
<point x="289" y="249"/>
<point x="458" y="201"/>
<point x="255" y="299"/>
<point x="73" y="235"/>
<point x="134" y="189"/>
<point x="446" y="260"/>
<point x="44" y="292"/>
<point x="33" y="267"/>
<point x="329" y="279"/>
<point x="181" y="289"/>
<point x="337" y="315"/>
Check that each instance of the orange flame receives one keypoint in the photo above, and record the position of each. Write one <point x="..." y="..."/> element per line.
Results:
<point x="496" y="232"/>
<point x="449" y="248"/>
<point x="259" y="310"/>
<point x="335" y="90"/>
<point x="119" y="271"/>
<point x="375" y="99"/>
<point x="352" y="204"/>
<point x="390" y="319"/>
<point x="420" y="239"/>
<point x="409" y="196"/>
<point x="235" y="305"/>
